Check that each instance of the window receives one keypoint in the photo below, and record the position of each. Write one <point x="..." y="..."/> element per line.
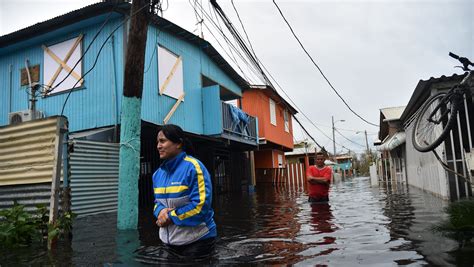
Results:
<point x="59" y="60"/>
<point x="272" y="112"/>
<point x="287" y="121"/>
<point x="170" y="73"/>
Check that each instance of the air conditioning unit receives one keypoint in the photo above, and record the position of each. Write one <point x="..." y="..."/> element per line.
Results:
<point x="25" y="115"/>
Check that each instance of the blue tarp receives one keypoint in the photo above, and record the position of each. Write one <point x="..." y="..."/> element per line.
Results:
<point x="238" y="115"/>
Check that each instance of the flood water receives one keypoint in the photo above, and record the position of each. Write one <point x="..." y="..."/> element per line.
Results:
<point x="361" y="225"/>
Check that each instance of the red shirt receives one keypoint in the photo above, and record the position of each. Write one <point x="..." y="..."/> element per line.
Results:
<point x="319" y="190"/>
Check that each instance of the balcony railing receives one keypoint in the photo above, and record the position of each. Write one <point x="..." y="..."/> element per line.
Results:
<point x="238" y="124"/>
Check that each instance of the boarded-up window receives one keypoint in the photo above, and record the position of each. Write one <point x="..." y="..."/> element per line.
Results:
<point x="287" y="121"/>
<point x="272" y="112"/>
<point x="59" y="61"/>
<point x="170" y="73"/>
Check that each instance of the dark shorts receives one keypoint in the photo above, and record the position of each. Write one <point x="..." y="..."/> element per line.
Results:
<point x="318" y="199"/>
<point x="200" y="249"/>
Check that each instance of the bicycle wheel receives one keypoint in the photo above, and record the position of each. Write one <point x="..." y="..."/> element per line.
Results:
<point x="428" y="134"/>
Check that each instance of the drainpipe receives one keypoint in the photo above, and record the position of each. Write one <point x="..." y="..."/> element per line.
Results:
<point x="10" y="89"/>
<point x="115" y="90"/>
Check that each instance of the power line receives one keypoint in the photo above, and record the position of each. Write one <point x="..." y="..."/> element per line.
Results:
<point x="230" y="46"/>
<point x="316" y="65"/>
<point x="258" y="62"/>
<point x="83" y="54"/>
<point x="239" y="39"/>
<point x="251" y="67"/>
<point x="245" y="32"/>
<point x="154" y="49"/>
<point x="348" y="138"/>
<point x="98" y="54"/>
<point x="254" y="59"/>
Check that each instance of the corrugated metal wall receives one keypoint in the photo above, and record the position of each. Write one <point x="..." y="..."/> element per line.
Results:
<point x="189" y="114"/>
<point x="94" y="177"/>
<point x="27" y="152"/>
<point x="91" y="106"/>
<point x="28" y="195"/>
<point x="26" y="163"/>
<point x="94" y="105"/>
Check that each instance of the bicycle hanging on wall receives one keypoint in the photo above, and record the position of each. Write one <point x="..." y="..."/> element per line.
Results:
<point x="438" y="114"/>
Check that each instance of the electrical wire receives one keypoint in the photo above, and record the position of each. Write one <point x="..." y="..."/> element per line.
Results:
<point x="231" y="56"/>
<point x="319" y="69"/>
<point x="98" y="54"/>
<point x="262" y="67"/>
<point x="154" y="50"/>
<point x="239" y="40"/>
<point x="251" y="67"/>
<point x="348" y="138"/>
<point x="83" y="54"/>
<point x="245" y="32"/>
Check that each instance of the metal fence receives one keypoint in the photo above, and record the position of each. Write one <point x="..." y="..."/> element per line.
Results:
<point x="27" y="152"/>
<point x="240" y="129"/>
<point x="28" y="195"/>
<point x="27" y="157"/>
<point x="94" y="177"/>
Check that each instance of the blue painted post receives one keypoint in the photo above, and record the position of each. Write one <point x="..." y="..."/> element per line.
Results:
<point x="129" y="170"/>
<point x="127" y="215"/>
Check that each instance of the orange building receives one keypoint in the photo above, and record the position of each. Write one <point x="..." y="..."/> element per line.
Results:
<point x="275" y="129"/>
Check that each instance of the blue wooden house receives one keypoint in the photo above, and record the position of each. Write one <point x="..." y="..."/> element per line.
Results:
<point x="74" y="64"/>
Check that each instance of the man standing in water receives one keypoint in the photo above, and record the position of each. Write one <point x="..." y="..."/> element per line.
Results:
<point x="319" y="179"/>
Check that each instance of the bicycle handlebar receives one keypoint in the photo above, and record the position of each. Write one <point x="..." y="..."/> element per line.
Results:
<point x="453" y="55"/>
<point x="464" y="61"/>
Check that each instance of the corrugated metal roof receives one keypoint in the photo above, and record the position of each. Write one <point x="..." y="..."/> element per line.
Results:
<point x="27" y="152"/>
<point x="392" y="113"/>
<point x="310" y="149"/>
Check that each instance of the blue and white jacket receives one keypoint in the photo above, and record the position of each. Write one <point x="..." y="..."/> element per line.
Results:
<point x="184" y="184"/>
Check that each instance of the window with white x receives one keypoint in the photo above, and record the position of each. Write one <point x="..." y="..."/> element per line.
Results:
<point x="59" y="73"/>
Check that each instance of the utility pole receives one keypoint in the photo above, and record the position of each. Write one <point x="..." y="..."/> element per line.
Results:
<point x="366" y="141"/>
<point x="130" y="131"/>
<point x="369" y="154"/>
<point x="333" y="140"/>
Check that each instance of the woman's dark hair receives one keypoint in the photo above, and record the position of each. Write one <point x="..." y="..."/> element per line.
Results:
<point x="175" y="134"/>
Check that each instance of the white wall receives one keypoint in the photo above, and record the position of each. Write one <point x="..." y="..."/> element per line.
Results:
<point x="423" y="169"/>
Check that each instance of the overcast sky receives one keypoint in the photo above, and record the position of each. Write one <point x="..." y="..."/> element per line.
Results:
<point x="373" y="52"/>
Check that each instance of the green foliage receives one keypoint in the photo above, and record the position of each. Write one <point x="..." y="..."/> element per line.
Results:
<point x="62" y="226"/>
<point x="17" y="227"/>
<point x="20" y="228"/>
<point x="460" y="222"/>
<point x="364" y="162"/>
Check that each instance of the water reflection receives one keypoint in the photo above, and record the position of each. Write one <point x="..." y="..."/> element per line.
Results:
<point x="382" y="226"/>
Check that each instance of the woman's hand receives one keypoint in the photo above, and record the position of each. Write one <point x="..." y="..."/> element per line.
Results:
<point x="163" y="218"/>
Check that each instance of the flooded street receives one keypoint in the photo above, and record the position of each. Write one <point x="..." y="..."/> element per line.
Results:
<point x="360" y="225"/>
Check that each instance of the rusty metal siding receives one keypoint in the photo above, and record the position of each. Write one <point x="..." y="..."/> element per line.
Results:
<point x="27" y="152"/>
<point x="94" y="177"/>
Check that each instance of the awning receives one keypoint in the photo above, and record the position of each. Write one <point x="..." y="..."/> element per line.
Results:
<point x="392" y="142"/>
